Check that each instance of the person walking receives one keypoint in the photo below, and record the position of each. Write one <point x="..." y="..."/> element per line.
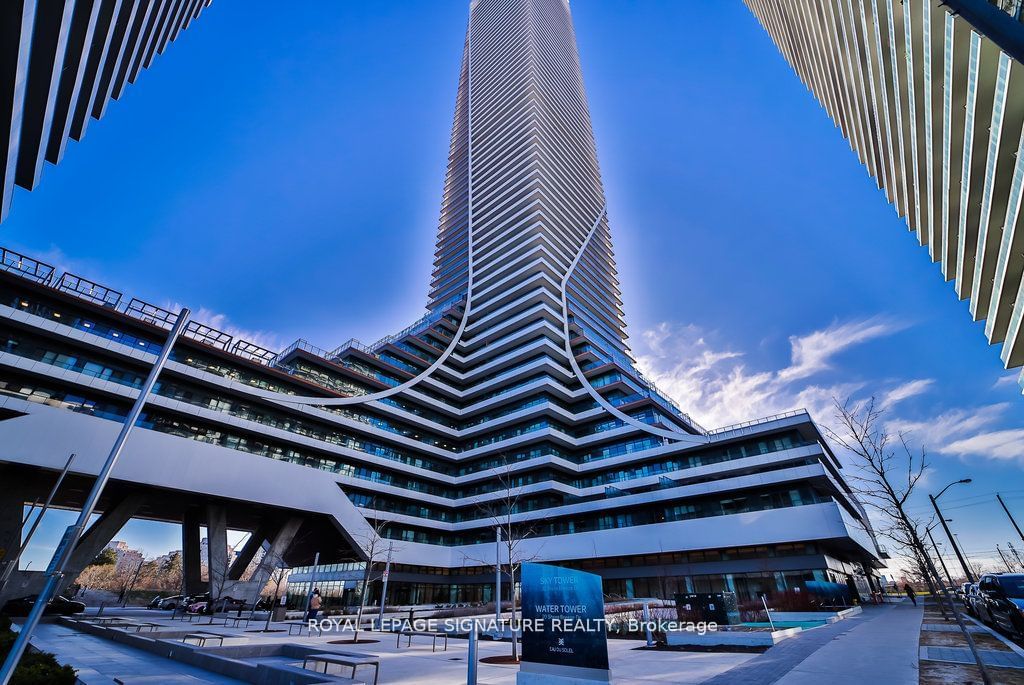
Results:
<point x="314" y="604"/>
<point x="910" y="593"/>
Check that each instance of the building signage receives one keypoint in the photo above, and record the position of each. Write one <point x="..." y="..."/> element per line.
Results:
<point x="563" y="619"/>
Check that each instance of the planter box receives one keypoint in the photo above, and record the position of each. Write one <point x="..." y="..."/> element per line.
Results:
<point x="731" y="638"/>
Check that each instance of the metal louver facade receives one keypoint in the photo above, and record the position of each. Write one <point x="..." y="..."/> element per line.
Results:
<point x="62" y="62"/>
<point x="930" y="96"/>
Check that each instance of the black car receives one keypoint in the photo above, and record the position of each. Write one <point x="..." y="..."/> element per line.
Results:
<point x="1000" y="601"/>
<point x="58" y="605"/>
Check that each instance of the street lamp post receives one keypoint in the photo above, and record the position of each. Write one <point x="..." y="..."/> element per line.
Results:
<point x="949" y="534"/>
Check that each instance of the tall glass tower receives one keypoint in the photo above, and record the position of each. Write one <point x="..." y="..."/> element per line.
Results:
<point x="514" y="394"/>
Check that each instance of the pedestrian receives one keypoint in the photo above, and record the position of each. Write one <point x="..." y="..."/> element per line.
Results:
<point x="314" y="604"/>
<point x="910" y="593"/>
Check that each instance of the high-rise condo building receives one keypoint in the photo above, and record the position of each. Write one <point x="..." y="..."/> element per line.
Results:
<point x="515" y="391"/>
<point x="928" y="95"/>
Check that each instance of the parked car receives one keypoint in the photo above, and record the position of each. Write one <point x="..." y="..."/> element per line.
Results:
<point x="971" y="599"/>
<point x="201" y="604"/>
<point x="171" y="602"/>
<point x="155" y="602"/>
<point x="1001" y="601"/>
<point x="58" y="605"/>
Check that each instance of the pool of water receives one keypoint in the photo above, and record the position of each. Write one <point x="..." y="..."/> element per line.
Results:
<point x="787" y="624"/>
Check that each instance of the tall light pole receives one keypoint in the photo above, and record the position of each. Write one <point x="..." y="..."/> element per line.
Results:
<point x="61" y="556"/>
<point x="384" y="586"/>
<point x="497" y="578"/>
<point x="942" y="520"/>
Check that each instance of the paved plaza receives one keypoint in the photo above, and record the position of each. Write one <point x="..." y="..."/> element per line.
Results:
<point x="833" y="653"/>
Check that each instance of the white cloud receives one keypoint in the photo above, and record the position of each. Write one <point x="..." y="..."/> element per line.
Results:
<point x="203" y="315"/>
<point x="934" y="432"/>
<point x="1006" y="380"/>
<point x="718" y="388"/>
<point x="1003" y="444"/>
<point x="906" y="390"/>
<point x="813" y="353"/>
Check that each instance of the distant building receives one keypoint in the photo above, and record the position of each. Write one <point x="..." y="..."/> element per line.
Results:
<point x="127" y="558"/>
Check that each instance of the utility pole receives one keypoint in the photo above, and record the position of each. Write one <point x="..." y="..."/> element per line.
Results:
<point x="952" y="541"/>
<point x="61" y="556"/>
<point x="1019" y="533"/>
<point x="1009" y="569"/>
<point x="939" y="555"/>
<point x="1016" y="554"/>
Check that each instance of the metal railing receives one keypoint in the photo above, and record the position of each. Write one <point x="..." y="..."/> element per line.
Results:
<point x="649" y="389"/>
<point x="89" y="290"/>
<point x="33" y="269"/>
<point x="420" y="324"/>
<point x="756" y="422"/>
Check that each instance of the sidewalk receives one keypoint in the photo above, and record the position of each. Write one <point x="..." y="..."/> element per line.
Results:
<point x="880" y="645"/>
<point x="883" y="650"/>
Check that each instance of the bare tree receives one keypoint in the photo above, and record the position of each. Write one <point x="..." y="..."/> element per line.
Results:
<point x="501" y="510"/>
<point x="888" y="471"/>
<point x="127" y="576"/>
<point x="278" y="579"/>
<point x="374" y="542"/>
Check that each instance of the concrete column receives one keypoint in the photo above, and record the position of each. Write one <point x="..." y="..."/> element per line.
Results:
<point x="191" y="564"/>
<point x="217" y="549"/>
<point x="245" y="555"/>
<point x="12" y="512"/>
<point x="96" y="537"/>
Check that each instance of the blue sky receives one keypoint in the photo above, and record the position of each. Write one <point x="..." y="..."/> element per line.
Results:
<point x="281" y="173"/>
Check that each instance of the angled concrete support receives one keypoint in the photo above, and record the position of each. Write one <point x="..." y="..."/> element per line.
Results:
<point x="98" y="535"/>
<point x="191" y="564"/>
<point x="12" y="513"/>
<point x="280" y="543"/>
<point x="245" y="555"/>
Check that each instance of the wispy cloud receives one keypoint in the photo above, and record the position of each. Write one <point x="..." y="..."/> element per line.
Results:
<point x="813" y="353"/>
<point x="221" y="322"/>
<point x="936" y="433"/>
<point x="906" y="391"/>
<point x="718" y="387"/>
<point x="1002" y="444"/>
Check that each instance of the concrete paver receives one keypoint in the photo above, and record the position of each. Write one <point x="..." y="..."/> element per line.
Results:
<point x="878" y="645"/>
<point x="882" y="649"/>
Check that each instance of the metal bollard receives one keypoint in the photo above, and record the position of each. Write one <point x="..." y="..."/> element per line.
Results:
<point x="471" y="666"/>
<point x="647" y="625"/>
